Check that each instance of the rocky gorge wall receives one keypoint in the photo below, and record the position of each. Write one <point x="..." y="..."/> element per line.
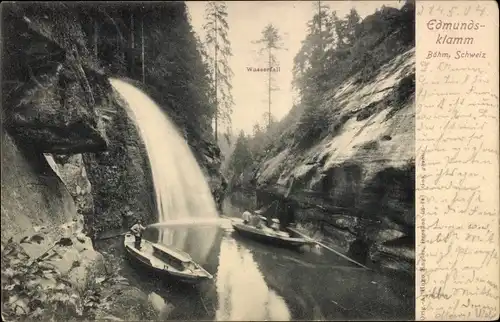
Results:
<point x="357" y="182"/>
<point x="120" y="177"/>
<point x="46" y="109"/>
<point x="59" y="102"/>
<point x="73" y="165"/>
<point x="32" y="194"/>
<point x="40" y="228"/>
<point x="53" y="102"/>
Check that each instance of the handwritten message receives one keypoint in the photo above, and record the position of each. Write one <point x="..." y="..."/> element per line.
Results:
<point x="457" y="192"/>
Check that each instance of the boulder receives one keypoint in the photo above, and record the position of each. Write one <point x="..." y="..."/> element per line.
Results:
<point x="54" y="98"/>
<point x="156" y="300"/>
<point x="160" y="305"/>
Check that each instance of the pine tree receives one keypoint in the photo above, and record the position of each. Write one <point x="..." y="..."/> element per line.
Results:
<point x="352" y="26"/>
<point x="270" y="42"/>
<point x="340" y="29"/>
<point x="217" y="41"/>
<point x="309" y="62"/>
<point x="256" y="129"/>
<point x="320" y="24"/>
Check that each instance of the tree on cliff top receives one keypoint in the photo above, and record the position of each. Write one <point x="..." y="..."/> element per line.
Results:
<point x="217" y="41"/>
<point x="309" y="62"/>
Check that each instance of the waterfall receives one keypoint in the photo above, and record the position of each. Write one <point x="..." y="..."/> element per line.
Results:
<point x="181" y="190"/>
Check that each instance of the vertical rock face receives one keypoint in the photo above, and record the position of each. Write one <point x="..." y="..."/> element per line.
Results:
<point x="209" y="159"/>
<point x="58" y="101"/>
<point x="122" y="185"/>
<point x="71" y="170"/>
<point x="343" y="159"/>
<point x="37" y="212"/>
<point x="357" y="182"/>
<point x="53" y="102"/>
<point x="54" y="108"/>
<point x="32" y="194"/>
<point x="52" y="93"/>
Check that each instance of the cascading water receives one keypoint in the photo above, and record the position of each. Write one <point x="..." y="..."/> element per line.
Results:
<point x="182" y="193"/>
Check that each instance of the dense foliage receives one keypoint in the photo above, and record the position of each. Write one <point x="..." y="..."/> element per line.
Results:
<point x="176" y="68"/>
<point x="240" y="158"/>
<point x="35" y="289"/>
<point x="152" y="43"/>
<point x="345" y="48"/>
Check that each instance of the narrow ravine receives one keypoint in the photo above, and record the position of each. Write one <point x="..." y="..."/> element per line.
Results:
<point x="257" y="282"/>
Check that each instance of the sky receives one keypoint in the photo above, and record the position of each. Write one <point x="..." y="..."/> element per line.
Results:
<point x="246" y="20"/>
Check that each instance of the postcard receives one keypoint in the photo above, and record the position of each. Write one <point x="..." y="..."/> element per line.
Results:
<point x="250" y="160"/>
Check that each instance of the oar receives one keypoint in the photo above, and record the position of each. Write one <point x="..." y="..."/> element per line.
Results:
<point x="117" y="235"/>
<point x="175" y="223"/>
<point x="189" y="222"/>
<point x="112" y="236"/>
<point x="329" y="248"/>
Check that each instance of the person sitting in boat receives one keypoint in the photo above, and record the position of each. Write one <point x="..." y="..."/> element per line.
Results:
<point x="256" y="221"/>
<point x="275" y="224"/>
<point x="137" y="230"/>
<point x="247" y="216"/>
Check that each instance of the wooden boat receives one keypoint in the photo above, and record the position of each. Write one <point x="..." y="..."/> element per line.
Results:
<point x="269" y="236"/>
<point x="166" y="261"/>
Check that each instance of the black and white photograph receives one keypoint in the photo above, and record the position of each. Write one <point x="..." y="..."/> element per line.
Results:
<point x="208" y="160"/>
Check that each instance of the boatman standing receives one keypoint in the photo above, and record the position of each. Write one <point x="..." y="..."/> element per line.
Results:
<point x="137" y="230"/>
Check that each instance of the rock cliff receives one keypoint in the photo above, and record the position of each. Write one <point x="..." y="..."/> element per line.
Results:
<point x="53" y="96"/>
<point x="32" y="194"/>
<point x="352" y="173"/>
<point x="122" y="186"/>
<point x="72" y="164"/>
<point x="358" y="182"/>
<point x="53" y="103"/>
<point x="46" y="108"/>
<point x="72" y="171"/>
<point x="58" y="101"/>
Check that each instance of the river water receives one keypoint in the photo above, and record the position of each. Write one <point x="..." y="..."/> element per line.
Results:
<point x="253" y="281"/>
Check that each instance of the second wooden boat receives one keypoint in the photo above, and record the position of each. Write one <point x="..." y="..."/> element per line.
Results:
<point x="277" y="238"/>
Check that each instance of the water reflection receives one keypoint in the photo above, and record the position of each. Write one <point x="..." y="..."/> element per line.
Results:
<point x="321" y="285"/>
<point x="255" y="282"/>
<point x="197" y="242"/>
<point x="241" y="289"/>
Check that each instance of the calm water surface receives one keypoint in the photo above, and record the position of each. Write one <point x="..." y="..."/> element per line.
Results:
<point x="253" y="281"/>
